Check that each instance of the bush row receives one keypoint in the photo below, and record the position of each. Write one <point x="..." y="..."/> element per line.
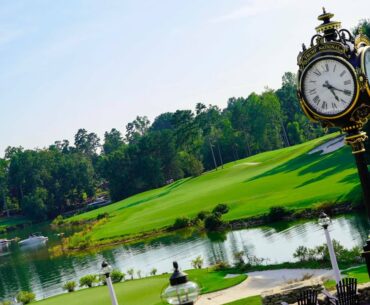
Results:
<point x="211" y="221"/>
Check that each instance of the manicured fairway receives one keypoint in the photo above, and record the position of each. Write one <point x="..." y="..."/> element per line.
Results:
<point x="142" y="292"/>
<point x="287" y="177"/>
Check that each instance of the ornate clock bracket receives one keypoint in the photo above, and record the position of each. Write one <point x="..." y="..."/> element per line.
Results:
<point x="335" y="43"/>
<point x="357" y="141"/>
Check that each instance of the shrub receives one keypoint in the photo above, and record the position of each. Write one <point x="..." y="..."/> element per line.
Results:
<point x="180" y="223"/>
<point x="197" y="263"/>
<point x="58" y="221"/>
<point x="278" y="213"/>
<point x="70" y="286"/>
<point x="25" y="297"/>
<point x="102" y="216"/>
<point x="213" y="222"/>
<point x="202" y="215"/>
<point x="79" y="240"/>
<point x="117" y="276"/>
<point x="6" y="303"/>
<point x="88" y="280"/>
<point x="220" y="209"/>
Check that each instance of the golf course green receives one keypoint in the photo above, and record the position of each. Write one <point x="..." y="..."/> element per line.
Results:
<point x="288" y="177"/>
<point x="145" y="291"/>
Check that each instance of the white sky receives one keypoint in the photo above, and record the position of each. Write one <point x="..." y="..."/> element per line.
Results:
<point x="97" y="64"/>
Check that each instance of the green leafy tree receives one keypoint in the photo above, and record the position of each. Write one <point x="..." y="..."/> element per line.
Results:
<point x="4" y="185"/>
<point x="34" y="204"/>
<point x="295" y="133"/>
<point x="86" y="143"/>
<point x="190" y="165"/>
<point x="137" y="128"/>
<point x="163" y="122"/>
<point x="112" y="141"/>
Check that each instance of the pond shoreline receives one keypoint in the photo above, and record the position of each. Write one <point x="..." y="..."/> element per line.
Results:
<point x="238" y="224"/>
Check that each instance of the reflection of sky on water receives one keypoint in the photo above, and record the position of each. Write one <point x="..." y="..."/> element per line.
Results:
<point x="36" y="270"/>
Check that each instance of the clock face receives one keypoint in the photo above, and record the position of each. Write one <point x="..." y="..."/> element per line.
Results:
<point x="366" y="63"/>
<point x="328" y="86"/>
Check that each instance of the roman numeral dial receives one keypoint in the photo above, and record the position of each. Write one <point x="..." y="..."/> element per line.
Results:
<point x="366" y="64"/>
<point x="328" y="86"/>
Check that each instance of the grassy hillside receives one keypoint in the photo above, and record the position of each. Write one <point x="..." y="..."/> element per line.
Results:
<point x="288" y="177"/>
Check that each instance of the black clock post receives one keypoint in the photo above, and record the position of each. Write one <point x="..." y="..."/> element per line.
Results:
<point x="334" y="90"/>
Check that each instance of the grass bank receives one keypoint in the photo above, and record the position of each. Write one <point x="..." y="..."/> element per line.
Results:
<point x="255" y="300"/>
<point x="144" y="291"/>
<point x="358" y="272"/>
<point x="287" y="177"/>
<point x="12" y="222"/>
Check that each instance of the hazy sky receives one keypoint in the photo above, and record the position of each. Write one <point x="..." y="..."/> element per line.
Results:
<point x="94" y="64"/>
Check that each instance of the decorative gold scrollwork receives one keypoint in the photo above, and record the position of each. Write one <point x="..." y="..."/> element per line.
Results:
<point x="361" y="40"/>
<point x="361" y="114"/>
<point x="357" y="142"/>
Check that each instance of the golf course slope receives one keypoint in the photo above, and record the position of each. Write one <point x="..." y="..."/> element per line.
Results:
<point x="287" y="177"/>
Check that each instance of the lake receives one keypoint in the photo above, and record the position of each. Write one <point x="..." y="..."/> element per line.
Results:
<point x="34" y="269"/>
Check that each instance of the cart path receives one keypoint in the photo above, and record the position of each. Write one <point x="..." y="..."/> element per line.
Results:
<point x="257" y="282"/>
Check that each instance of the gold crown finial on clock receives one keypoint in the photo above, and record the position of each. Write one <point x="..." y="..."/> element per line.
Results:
<point x="327" y="25"/>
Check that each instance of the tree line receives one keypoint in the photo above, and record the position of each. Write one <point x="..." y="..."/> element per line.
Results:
<point x="42" y="183"/>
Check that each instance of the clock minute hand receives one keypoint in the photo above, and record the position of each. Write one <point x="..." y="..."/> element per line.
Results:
<point x="330" y="87"/>
<point x="332" y="91"/>
<point x="341" y="90"/>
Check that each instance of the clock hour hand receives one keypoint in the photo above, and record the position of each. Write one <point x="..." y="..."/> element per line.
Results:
<point x="331" y="88"/>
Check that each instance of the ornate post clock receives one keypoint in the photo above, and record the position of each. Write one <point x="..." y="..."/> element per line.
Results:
<point x="334" y="89"/>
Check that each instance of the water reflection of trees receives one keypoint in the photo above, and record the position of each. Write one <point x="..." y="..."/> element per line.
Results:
<point x="359" y="226"/>
<point x="216" y="252"/>
<point x="36" y="270"/>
